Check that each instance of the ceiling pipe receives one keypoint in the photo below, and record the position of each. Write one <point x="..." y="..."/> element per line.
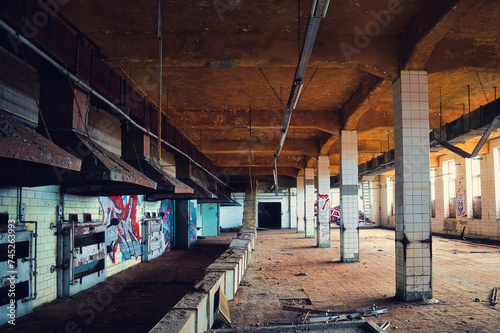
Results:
<point x="88" y="89"/>
<point x="318" y="11"/>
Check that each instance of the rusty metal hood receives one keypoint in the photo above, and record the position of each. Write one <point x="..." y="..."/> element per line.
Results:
<point x="166" y="183"/>
<point x="29" y="159"/>
<point x="102" y="173"/>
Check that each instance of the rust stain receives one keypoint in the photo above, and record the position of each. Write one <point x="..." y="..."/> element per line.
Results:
<point x="20" y="142"/>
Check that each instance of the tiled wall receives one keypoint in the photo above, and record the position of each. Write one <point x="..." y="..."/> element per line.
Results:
<point x="105" y="130"/>
<point x="232" y="216"/>
<point x="293" y="208"/>
<point x="310" y="197"/>
<point x="300" y="204"/>
<point x="413" y="221"/>
<point x="41" y="206"/>
<point x="349" y="240"/>
<point x="323" y="199"/>
<point x="16" y="95"/>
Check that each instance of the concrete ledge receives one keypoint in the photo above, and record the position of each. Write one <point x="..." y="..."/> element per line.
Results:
<point x="196" y="311"/>
<point x="177" y="321"/>
<point x="231" y="275"/>
<point x="214" y="284"/>
<point x="198" y="302"/>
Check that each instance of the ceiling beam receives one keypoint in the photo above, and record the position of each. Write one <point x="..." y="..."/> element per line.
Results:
<point x="428" y="28"/>
<point x="260" y="146"/>
<point x="259" y="161"/>
<point x="261" y="171"/>
<point x="366" y="95"/>
<point x="326" y="121"/>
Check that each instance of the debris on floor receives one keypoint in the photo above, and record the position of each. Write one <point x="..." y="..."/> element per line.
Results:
<point x="349" y="315"/>
<point x="493" y="299"/>
<point x="431" y="301"/>
<point x="302" y="274"/>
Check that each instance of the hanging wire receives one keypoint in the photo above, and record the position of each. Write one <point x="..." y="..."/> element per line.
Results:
<point x="481" y="83"/>
<point x="312" y="76"/>
<point x="269" y="83"/>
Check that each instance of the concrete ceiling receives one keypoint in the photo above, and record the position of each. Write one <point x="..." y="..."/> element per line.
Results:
<point x="219" y="56"/>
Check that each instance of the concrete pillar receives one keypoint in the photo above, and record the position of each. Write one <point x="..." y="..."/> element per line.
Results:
<point x="250" y="205"/>
<point x="349" y="232"/>
<point x="300" y="205"/>
<point x="292" y="204"/>
<point x="310" y="221"/>
<point x="323" y="198"/>
<point x="412" y="188"/>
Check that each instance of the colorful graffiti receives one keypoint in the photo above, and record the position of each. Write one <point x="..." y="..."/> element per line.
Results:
<point x="166" y="207"/>
<point x="192" y="221"/>
<point x="119" y="214"/>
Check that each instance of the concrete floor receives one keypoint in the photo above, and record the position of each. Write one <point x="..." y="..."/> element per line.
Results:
<point x="463" y="272"/>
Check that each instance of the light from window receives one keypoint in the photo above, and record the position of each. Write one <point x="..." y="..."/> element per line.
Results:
<point x="449" y="192"/>
<point x="390" y="196"/>
<point x="473" y="174"/>
<point x="433" y="192"/>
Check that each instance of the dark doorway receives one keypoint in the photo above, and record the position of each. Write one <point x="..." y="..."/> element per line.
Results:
<point x="270" y="215"/>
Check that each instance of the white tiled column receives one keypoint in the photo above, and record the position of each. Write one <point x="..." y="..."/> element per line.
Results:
<point x="412" y="189"/>
<point x="349" y="232"/>
<point x="323" y="197"/>
<point x="292" y="191"/>
<point x="300" y="204"/>
<point x="309" y="199"/>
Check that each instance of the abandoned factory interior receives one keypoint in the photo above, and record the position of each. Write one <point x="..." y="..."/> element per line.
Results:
<point x="249" y="166"/>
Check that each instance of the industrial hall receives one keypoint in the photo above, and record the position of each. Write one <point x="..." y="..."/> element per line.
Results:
<point x="249" y="166"/>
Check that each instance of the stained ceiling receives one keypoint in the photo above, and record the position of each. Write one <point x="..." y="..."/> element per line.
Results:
<point x="227" y="64"/>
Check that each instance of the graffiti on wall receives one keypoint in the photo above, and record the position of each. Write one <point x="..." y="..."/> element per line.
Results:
<point x="166" y="208"/>
<point x="119" y="214"/>
<point x="192" y="221"/>
<point x="460" y="203"/>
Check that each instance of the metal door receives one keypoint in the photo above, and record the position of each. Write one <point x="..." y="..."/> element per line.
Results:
<point x="210" y="219"/>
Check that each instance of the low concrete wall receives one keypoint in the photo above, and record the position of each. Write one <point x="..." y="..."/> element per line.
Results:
<point x="196" y="311"/>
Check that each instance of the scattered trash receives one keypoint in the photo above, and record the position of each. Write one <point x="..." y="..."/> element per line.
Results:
<point x="493" y="299"/>
<point x="302" y="274"/>
<point x="385" y="325"/>
<point x="349" y="315"/>
<point x="380" y="250"/>
<point x="477" y="300"/>
<point x="261" y="269"/>
<point x="431" y="301"/>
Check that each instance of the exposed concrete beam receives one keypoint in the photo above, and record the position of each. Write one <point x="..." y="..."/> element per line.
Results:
<point x="326" y="142"/>
<point x="296" y="147"/>
<point x="327" y="121"/>
<point x="428" y="28"/>
<point x="261" y="171"/>
<point x="460" y="55"/>
<point x="367" y="94"/>
<point x="259" y="161"/>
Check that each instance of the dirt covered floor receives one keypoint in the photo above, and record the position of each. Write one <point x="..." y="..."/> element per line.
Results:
<point x="133" y="300"/>
<point x="287" y="269"/>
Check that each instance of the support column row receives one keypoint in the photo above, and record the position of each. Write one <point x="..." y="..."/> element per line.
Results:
<point x="412" y="188"/>
<point x="300" y="205"/>
<point x="349" y="224"/>
<point x="323" y="200"/>
<point x="310" y="222"/>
